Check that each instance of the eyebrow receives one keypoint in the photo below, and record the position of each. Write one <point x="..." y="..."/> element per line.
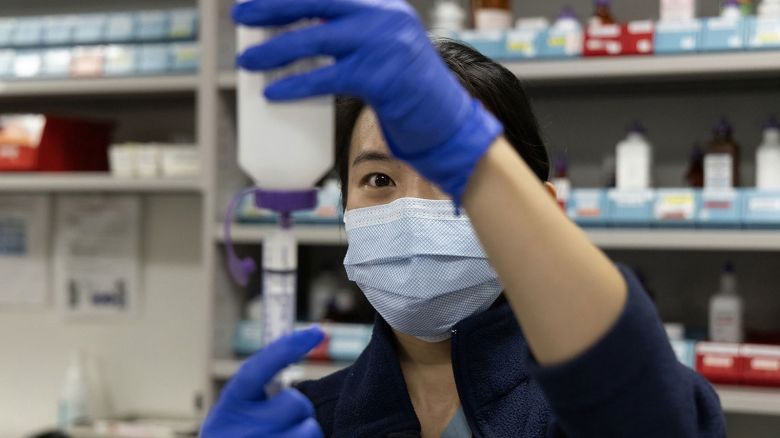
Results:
<point x="371" y="156"/>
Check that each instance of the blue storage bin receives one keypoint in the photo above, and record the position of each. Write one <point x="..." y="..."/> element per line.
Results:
<point x="7" y="28"/>
<point x="676" y="208"/>
<point x="490" y="44"/>
<point x="28" y="32"/>
<point x="720" y="209"/>
<point x="183" y="24"/>
<point x="588" y="207"/>
<point x="90" y="29"/>
<point x="678" y="37"/>
<point x="58" y="30"/>
<point x="763" y="33"/>
<point x="525" y="42"/>
<point x="7" y="62"/>
<point x="152" y="25"/>
<point x="121" y="60"/>
<point x="761" y="209"/>
<point x="630" y="208"/>
<point x="154" y="58"/>
<point x="724" y="34"/>
<point x="185" y="57"/>
<point x="120" y="27"/>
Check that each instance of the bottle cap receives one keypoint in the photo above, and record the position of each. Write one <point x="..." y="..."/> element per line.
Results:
<point x="723" y="128"/>
<point x="732" y="2"/>
<point x="636" y="127"/>
<point x="602" y="2"/>
<point x="561" y="163"/>
<point x="728" y="267"/>
<point x="567" y="13"/>
<point x="772" y="123"/>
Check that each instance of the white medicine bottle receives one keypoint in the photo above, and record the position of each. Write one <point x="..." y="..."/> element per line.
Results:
<point x="768" y="158"/>
<point x="634" y="160"/>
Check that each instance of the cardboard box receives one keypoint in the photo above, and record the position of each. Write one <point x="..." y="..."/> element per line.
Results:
<point x="524" y="43"/>
<point x="634" y="38"/>
<point x="761" y="209"/>
<point x="678" y="36"/>
<point x="761" y="364"/>
<point x="154" y="58"/>
<point x="490" y="44"/>
<point x="588" y="207"/>
<point x="723" y="34"/>
<point x="720" y="209"/>
<point x="763" y="33"/>
<point x="719" y="362"/>
<point x="28" y="32"/>
<point x="56" y="62"/>
<point x="121" y="60"/>
<point x="556" y="44"/>
<point x="58" y="30"/>
<point x="185" y="57"/>
<point x="676" y="208"/>
<point x="7" y="28"/>
<point x="120" y="27"/>
<point x="183" y="24"/>
<point x="7" y="62"/>
<point x="630" y="208"/>
<point x="152" y="25"/>
<point x="90" y="29"/>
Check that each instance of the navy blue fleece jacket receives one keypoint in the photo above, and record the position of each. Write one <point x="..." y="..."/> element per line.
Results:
<point x="629" y="384"/>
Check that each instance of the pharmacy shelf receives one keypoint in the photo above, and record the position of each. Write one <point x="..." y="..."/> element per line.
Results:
<point x="224" y="369"/>
<point x="99" y="86"/>
<point x="734" y="399"/>
<point x="629" y="68"/>
<point x="92" y="182"/>
<point x="683" y="239"/>
<point x="749" y="400"/>
<point x="699" y="66"/>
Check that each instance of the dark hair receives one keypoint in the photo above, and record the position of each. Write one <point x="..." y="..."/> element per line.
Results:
<point x="496" y="87"/>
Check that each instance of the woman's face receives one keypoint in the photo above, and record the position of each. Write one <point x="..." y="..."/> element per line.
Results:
<point x="375" y="177"/>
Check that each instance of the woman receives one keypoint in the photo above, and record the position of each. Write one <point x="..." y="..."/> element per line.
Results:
<point x="505" y="322"/>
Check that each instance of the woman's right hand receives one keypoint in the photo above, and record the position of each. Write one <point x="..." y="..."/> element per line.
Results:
<point x="244" y="410"/>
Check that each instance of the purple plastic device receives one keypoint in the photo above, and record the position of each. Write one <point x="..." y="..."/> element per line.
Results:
<point x="282" y="202"/>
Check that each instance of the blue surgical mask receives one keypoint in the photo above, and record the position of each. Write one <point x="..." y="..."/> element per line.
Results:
<point x="420" y="265"/>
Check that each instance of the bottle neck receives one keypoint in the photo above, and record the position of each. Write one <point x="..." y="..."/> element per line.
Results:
<point x="772" y="135"/>
<point x="728" y="284"/>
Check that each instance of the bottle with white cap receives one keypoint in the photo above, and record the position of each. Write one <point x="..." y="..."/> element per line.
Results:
<point x="448" y="17"/>
<point x="768" y="158"/>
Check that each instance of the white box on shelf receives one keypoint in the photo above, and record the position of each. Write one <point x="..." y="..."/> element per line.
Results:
<point x="183" y="23"/>
<point x="56" y="62"/>
<point x="122" y="159"/>
<point x="87" y="61"/>
<point x="27" y="64"/>
<point x="180" y="161"/>
<point x="7" y="62"/>
<point x="120" y="60"/>
<point x="148" y="160"/>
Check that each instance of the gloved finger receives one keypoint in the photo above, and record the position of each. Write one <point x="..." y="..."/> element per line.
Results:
<point x="281" y="12"/>
<point x="307" y="429"/>
<point x="319" y="82"/>
<point x="289" y="407"/>
<point x="331" y="38"/>
<point x="249" y="383"/>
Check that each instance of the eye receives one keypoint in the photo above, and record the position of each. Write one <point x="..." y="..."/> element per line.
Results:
<point x="378" y="180"/>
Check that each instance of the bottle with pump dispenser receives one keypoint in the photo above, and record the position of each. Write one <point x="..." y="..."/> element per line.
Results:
<point x="768" y="158"/>
<point x="721" y="159"/>
<point x="726" y="322"/>
<point x="634" y="160"/>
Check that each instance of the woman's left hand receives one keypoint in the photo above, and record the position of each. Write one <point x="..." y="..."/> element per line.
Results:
<point x="383" y="55"/>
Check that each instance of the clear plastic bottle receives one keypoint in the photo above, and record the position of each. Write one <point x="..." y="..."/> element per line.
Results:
<point x="768" y="158"/>
<point x="726" y="322"/>
<point x="634" y="160"/>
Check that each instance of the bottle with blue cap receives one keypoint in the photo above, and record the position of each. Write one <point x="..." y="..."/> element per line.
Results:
<point x="768" y="157"/>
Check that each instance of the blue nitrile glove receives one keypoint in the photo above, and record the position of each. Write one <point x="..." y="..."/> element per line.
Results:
<point x="382" y="55"/>
<point x="244" y="410"/>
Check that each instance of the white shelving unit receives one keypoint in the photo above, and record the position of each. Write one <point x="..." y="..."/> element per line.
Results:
<point x="734" y="399"/>
<point x="96" y="182"/>
<point x="701" y="240"/>
<point x="99" y="86"/>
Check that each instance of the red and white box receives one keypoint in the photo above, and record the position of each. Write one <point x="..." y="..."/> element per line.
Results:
<point x="719" y="362"/>
<point x="40" y="143"/>
<point x="761" y="364"/>
<point x="633" y="38"/>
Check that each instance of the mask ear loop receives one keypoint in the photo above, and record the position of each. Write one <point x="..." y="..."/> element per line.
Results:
<point x="240" y="269"/>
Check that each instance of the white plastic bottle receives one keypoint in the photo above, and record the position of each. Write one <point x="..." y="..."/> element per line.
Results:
<point x="731" y="11"/>
<point x="726" y="310"/>
<point x="74" y="398"/>
<point x="447" y="18"/>
<point x="634" y="161"/>
<point x="282" y="146"/>
<point x="768" y="158"/>
<point x="769" y="9"/>
<point x="568" y="26"/>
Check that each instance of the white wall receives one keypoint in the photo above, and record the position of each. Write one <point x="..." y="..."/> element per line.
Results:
<point x="156" y="362"/>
